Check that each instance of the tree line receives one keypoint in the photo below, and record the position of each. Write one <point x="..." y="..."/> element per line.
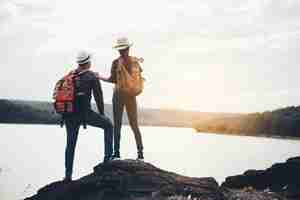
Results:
<point x="26" y="113"/>
<point x="280" y="122"/>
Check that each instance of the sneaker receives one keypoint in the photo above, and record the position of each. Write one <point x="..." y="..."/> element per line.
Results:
<point x="140" y="156"/>
<point x="67" y="180"/>
<point x="107" y="159"/>
<point x="116" y="156"/>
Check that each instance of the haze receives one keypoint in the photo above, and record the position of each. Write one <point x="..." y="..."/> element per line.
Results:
<point x="208" y="55"/>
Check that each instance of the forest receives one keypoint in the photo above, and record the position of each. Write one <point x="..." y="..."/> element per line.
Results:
<point x="279" y="122"/>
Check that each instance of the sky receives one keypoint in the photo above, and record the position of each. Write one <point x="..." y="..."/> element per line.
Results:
<point x="202" y="55"/>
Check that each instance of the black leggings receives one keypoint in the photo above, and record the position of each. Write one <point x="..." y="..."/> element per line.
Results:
<point x="119" y="101"/>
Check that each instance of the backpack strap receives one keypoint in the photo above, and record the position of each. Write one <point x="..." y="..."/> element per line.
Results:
<point x="84" y="123"/>
<point x="76" y="73"/>
<point x="83" y="71"/>
<point x="132" y="59"/>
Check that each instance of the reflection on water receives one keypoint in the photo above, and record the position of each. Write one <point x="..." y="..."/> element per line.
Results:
<point x="33" y="155"/>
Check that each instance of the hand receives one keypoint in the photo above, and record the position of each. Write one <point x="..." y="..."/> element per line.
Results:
<point x="102" y="78"/>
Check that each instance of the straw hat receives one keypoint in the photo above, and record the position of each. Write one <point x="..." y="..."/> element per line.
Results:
<point x="83" y="57"/>
<point x="122" y="43"/>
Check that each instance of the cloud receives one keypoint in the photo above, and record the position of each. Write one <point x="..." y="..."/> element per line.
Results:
<point x="280" y="11"/>
<point x="8" y="11"/>
<point x="232" y="46"/>
<point x="17" y="10"/>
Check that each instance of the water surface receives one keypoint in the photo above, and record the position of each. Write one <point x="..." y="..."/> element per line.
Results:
<point x="33" y="155"/>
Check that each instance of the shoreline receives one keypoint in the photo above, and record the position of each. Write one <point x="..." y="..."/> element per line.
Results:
<point x="248" y="135"/>
<point x="196" y="131"/>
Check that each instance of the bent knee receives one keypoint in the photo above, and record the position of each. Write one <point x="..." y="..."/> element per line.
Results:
<point x="108" y="124"/>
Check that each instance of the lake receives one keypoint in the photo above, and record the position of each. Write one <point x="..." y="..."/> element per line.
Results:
<point x="33" y="155"/>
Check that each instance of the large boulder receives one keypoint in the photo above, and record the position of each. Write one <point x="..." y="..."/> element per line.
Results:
<point x="281" y="178"/>
<point x="253" y="178"/>
<point x="130" y="179"/>
<point x="135" y="180"/>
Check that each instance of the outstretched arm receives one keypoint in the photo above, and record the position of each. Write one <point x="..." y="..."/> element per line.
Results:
<point x="112" y="77"/>
<point x="106" y="79"/>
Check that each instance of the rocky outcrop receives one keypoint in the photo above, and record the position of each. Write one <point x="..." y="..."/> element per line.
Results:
<point x="130" y="179"/>
<point x="282" y="178"/>
<point x="135" y="180"/>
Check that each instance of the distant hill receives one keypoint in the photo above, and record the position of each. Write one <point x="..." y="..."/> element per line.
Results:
<point x="283" y="122"/>
<point x="41" y="112"/>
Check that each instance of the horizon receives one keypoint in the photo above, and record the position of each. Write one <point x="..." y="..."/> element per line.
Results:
<point x="208" y="56"/>
<point x="164" y="109"/>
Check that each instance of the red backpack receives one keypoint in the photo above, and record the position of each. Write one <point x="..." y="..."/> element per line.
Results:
<point x="65" y="92"/>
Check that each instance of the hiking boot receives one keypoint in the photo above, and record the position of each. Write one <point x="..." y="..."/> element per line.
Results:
<point x="116" y="156"/>
<point x="140" y="156"/>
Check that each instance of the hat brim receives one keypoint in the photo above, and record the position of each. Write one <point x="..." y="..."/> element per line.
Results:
<point x="86" y="60"/>
<point x="121" y="47"/>
<point x="83" y="61"/>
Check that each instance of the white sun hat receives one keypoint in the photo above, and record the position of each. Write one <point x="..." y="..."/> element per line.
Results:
<point x="122" y="43"/>
<point x="83" y="57"/>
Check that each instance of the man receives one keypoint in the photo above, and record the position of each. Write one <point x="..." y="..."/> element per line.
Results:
<point x="121" y="99"/>
<point x="86" y="84"/>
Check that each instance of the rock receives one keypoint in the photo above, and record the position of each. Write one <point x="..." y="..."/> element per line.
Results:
<point x="130" y="179"/>
<point x="292" y="192"/>
<point x="135" y="180"/>
<point x="294" y="160"/>
<point x="253" y="178"/>
<point x="277" y="178"/>
<point x="237" y="182"/>
<point x="250" y="195"/>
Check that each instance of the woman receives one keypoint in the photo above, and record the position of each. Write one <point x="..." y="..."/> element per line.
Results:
<point x="121" y="98"/>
